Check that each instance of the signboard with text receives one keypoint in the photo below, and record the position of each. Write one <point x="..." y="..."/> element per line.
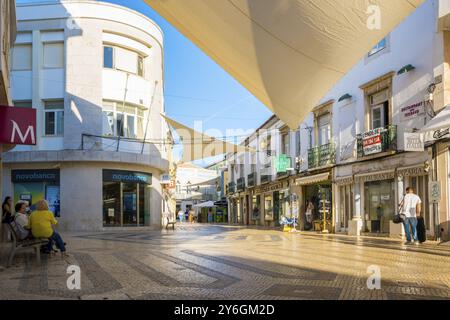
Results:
<point x="372" y="141"/>
<point x="412" y="111"/>
<point x="434" y="188"/>
<point x="414" y="142"/>
<point x="17" y="125"/>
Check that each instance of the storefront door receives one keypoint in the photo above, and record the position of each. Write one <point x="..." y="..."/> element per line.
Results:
<point x="379" y="205"/>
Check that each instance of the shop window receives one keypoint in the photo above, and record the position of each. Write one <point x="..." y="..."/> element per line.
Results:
<point x="21" y="57"/>
<point x="54" y="118"/>
<point x="53" y="55"/>
<point x="268" y="208"/>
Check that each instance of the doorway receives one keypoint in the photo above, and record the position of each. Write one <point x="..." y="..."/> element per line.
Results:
<point x="379" y="205"/>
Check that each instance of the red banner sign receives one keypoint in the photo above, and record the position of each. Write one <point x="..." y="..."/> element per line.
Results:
<point x="372" y="141"/>
<point x="17" y="125"/>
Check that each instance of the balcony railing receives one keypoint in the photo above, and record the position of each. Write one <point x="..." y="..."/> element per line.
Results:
<point x="377" y="141"/>
<point x="231" y="188"/>
<point x="251" y="180"/>
<point x="320" y="156"/>
<point x="240" y="184"/>
<point x="116" y="144"/>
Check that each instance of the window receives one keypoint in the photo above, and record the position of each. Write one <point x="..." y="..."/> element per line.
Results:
<point x="379" y="47"/>
<point x="297" y="143"/>
<point x="53" y="55"/>
<point x="379" y="110"/>
<point x="324" y="129"/>
<point x="54" y="118"/>
<point x="122" y="121"/>
<point x="285" y="143"/>
<point x="21" y="57"/>
<point x="140" y="66"/>
<point x="23" y="104"/>
<point x="123" y="59"/>
<point x="108" y="57"/>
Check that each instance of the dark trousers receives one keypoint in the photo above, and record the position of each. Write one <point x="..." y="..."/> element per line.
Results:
<point x="56" y="239"/>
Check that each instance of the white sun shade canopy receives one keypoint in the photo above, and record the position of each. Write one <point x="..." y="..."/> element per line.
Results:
<point x="197" y="146"/>
<point x="439" y="123"/>
<point x="288" y="53"/>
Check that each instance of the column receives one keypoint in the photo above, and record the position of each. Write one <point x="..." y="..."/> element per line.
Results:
<point x="355" y="225"/>
<point x="397" y="230"/>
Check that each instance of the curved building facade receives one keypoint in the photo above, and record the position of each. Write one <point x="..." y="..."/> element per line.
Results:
<point x="94" y="73"/>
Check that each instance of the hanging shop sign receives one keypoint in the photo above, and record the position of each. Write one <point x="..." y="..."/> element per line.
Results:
<point x="127" y="176"/>
<point x="441" y="134"/>
<point x="17" y="125"/>
<point x="434" y="188"/>
<point x="372" y="141"/>
<point x="282" y="163"/>
<point x="21" y="176"/>
<point x="165" y="178"/>
<point x="414" y="142"/>
<point x="412" y="111"/>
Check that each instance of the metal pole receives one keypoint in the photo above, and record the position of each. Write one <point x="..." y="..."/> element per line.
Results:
<point x="148" y="117"/>
<point x="123" y="111"/>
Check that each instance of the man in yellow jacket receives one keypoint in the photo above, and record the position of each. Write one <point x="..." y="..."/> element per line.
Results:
<point x="41" y="223"/>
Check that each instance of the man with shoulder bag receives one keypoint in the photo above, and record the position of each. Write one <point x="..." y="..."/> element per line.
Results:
<point x="410" y="210"/>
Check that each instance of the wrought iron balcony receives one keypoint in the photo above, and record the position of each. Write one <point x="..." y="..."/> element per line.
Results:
<point x="320" y="156"/>
<point x="377" y="141"/>
<point x="266" y="174"/>
<point x="231" y="188"/>
<point x="251" y="180"/>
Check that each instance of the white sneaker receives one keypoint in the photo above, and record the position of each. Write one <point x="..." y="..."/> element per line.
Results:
<point x="416" y="243"/>
<point x="407" y="243"/>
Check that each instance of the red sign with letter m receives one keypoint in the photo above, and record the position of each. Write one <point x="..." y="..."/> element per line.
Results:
<point x="17" y="125"/>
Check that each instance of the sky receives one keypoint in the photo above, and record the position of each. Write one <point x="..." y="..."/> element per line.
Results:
<point x="196" y="88"/>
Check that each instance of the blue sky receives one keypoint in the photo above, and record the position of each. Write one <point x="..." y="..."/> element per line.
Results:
<point x="196" y="87"/>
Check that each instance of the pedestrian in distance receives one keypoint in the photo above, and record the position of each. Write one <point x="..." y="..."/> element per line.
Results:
<point x="411" y="207"/>
<point x="180" y="215"/>
<point x="6" y="218"/>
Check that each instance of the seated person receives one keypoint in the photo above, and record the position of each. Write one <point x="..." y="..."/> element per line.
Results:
<point x="41" y="223"/>
<point x="21" y="220"/>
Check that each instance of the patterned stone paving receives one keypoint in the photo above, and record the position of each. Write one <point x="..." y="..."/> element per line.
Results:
<point x="229" y="262"/>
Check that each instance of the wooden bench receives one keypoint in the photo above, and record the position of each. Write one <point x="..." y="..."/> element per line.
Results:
<point x="19" y="245"/>
<point x="170" y="223"/>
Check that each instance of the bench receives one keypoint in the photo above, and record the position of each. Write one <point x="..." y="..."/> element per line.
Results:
<point x="170" y="223"/>
<point x="18" y="245"/>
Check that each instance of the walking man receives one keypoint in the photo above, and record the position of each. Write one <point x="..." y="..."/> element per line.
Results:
<point x="411" y="207"/>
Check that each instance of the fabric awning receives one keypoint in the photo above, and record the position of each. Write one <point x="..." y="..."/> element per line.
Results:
<point x="440" y="122"/>
<point x="197" y="145"/>
<point x="208" y="204"/>
<point x="288" y="53"/>
<point x="211" y="182"/>
<point x="312" y="179"/>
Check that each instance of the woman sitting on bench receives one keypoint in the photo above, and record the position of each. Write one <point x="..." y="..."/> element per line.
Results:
<point x="41" y="223"/>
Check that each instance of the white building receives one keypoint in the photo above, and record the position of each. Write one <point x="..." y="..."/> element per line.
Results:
<point x="351" y="147"/>
<point x="94" y="73"/>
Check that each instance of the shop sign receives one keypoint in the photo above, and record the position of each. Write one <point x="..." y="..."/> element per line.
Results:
<point x="127" y="176"/>
<point x="282" y="163"/>
<point x="440" y="134"/>
<point x="414" y="142"/>
<point x="412" y="111"/>
<point x="416" y="171"/>
<point x="268" y="188"/>
<point x="372" y="141"/>
<point x="17" y="125"/>
<point x="165" y="178"/>
<point x="18" y="176"/>
<point x="434" y="188"/>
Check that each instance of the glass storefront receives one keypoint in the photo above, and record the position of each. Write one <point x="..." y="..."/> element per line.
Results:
<point x="379" y="205"/>
<point x="268" y="207"/>
<point x="34" y="185"/>
<point x="318" y="206"/>
<point x="126" y="198"/>
<point x="420" y="186"/>
<point x="256" y="209"/>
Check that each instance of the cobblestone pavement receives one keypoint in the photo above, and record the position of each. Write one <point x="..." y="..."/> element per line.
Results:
<point x="226" y="262"/>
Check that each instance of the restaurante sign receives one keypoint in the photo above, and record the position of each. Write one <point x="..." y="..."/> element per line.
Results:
<point x="412" y="111"/>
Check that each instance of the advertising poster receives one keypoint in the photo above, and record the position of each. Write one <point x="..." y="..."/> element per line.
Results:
<point x="372" y="141"/>
<point x="32" y="192"/>
<point x="52" y="197"/>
